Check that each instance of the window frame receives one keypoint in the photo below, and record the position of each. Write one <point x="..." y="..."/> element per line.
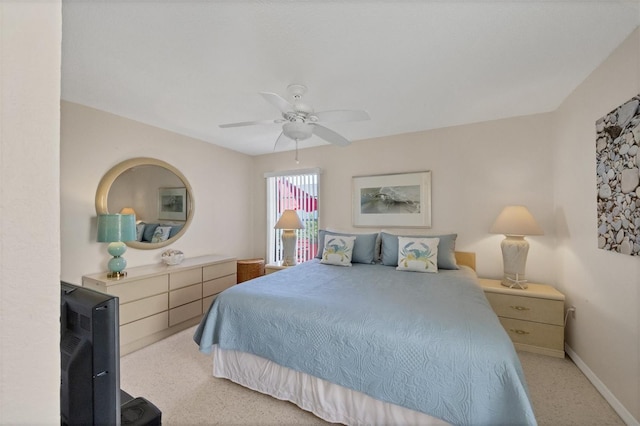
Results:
<point x="273" y="211"/>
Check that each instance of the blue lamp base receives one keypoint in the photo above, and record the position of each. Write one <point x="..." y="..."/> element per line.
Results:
<point x="117" y="263"/>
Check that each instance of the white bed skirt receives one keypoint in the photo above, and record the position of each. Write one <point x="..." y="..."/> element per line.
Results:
<point x="326" y="400"/>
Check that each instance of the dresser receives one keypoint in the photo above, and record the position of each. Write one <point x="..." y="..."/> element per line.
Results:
<point x="533" y="318"/>
<point x="159" y="300"/>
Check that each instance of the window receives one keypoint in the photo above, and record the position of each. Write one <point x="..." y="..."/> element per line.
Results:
<point x="296" y="190"/>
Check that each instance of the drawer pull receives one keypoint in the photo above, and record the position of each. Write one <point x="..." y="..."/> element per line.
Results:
<point x="521" y="332"/>
<point x="519" y="308"/>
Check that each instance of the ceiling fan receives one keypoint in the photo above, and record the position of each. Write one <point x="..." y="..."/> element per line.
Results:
<point x="300" y="122"/>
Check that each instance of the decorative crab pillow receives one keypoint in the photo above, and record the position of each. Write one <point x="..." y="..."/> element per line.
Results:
<point x="161" y="234"/>
<point x="338" y="250"/>
<point x="418" y="254"/>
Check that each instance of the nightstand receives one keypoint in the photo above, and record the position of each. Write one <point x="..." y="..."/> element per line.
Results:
<point x="533" y="318"/>
<point x="270" y="268"/>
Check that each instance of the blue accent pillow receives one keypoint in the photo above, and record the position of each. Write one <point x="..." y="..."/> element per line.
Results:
<point x="139" y="231"/>
<point x="174" y="230"/>
<point x="364" y="247"/>
<point x="149" y="230"/>
<point x="446" y="249"/>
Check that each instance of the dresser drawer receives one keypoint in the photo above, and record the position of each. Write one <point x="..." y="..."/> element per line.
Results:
<point x="185" y="312"/>
<point x="206" y="303"/>
<point x="139" y="289"/>
<point x="142" y="328"/>
<point x="218" y="270"/>
<point x="527" y="308"/>
<point x="216" y="286"/>
<point x="185" y="278"/>
<point x="185" y="295"/>
<point x="534" y="333"/>
<point x="133" y="311"/>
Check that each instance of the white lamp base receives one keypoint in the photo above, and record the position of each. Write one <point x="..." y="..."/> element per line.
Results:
<point x="514" y="258"/>
<point x="289" y="243"/>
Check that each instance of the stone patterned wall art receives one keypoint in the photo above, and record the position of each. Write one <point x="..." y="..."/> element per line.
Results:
<point x="618" y="178"/>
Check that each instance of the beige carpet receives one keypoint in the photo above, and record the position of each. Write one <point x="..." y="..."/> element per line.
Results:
<point x="174" y="376"/>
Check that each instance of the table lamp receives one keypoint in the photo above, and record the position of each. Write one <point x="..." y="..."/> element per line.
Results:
<point x="128" y="210"/>
<point x="515" y="222"/>
<point x="116" y="229"/>
<point x="289" y="222"/>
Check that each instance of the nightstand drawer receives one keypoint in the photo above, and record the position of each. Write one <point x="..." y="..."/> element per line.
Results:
<point x="527" y="308"/>
<point x="534" y="333"/>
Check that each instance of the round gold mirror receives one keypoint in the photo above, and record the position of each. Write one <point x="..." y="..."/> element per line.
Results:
<point x="156" y="192"/>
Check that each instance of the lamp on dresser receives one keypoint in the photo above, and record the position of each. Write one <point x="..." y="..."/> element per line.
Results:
<point x="515" y="222"/>
<point x="289" y="222"/>
<point x="116" y="229"/>
<point x="129" y="210"/>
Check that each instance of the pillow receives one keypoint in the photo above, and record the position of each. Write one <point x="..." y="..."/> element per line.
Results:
<point x="418" y="254"/>
<point x="364" y="248"/>
<point x="161" y="234"/>
<point x="338" y="250"/>
<point x="174" y="230"/>
<point x="149" y="230"/>
<point x="139" y="231"/>
<point x="446" y="249"/>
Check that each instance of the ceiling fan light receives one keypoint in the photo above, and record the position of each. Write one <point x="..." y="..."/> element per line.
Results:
<point x="297" y="131"/>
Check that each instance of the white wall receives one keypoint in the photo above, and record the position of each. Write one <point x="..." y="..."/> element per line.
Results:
<point x="603" y="286"/>
<point x="30" y="36"/>
<point x="93" y="141"/>
<point x="476" y="169"/>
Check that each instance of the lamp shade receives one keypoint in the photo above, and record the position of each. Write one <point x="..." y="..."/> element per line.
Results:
<point x="516" y="220"/>
<point x="116" y="228"/>
<point x="128" y="210"/>
<point x="289" y="220"/>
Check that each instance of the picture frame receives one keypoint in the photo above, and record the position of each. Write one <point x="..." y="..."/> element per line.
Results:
<point x="172" y="203"/>
<point x="617" y="181"/>
<point x="392" y="200"/>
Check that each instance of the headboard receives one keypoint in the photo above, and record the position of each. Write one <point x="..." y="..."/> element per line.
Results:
<point x="466" y="258"/>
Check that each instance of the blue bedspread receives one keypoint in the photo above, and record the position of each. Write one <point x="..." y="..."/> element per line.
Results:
<point x="428" y="342"/>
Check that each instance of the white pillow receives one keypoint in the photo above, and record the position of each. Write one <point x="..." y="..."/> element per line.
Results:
<point x="161" y="234"/>
<point x="338" y="250"/>
<point x="418" y="254"/>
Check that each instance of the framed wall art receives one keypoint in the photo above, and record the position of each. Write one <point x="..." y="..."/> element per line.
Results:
<point x="393" y="200"/>
<point x="618" y="178"/>
<point x="172" y="203"/>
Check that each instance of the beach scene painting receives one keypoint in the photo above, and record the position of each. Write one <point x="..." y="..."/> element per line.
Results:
<point x="394" y="200"/>
<point x="390" y="199"/>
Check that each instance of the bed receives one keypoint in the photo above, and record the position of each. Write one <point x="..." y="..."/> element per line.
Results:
<point x="369" y="344"/>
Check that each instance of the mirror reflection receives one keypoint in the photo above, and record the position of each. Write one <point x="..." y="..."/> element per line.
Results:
<point x="157" y="193"/>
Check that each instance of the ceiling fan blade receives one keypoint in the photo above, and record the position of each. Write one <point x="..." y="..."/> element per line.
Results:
<point x="278" y="101"/>
<point x="329" y="135"/>
<point x="250" y="123"/>
<point x="280" y="140"/>
<point x="342" y="116"/>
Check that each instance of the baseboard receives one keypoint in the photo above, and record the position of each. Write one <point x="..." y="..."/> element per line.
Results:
<point x="624" y="414"/>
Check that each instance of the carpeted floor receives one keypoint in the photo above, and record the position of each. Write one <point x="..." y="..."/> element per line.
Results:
<point x="176" y="377"/>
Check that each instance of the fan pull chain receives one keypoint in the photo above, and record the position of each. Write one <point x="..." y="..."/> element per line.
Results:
<point x="297" y="162"/>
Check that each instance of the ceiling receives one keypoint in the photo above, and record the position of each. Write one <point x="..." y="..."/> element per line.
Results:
<point x="189" y="66"/>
